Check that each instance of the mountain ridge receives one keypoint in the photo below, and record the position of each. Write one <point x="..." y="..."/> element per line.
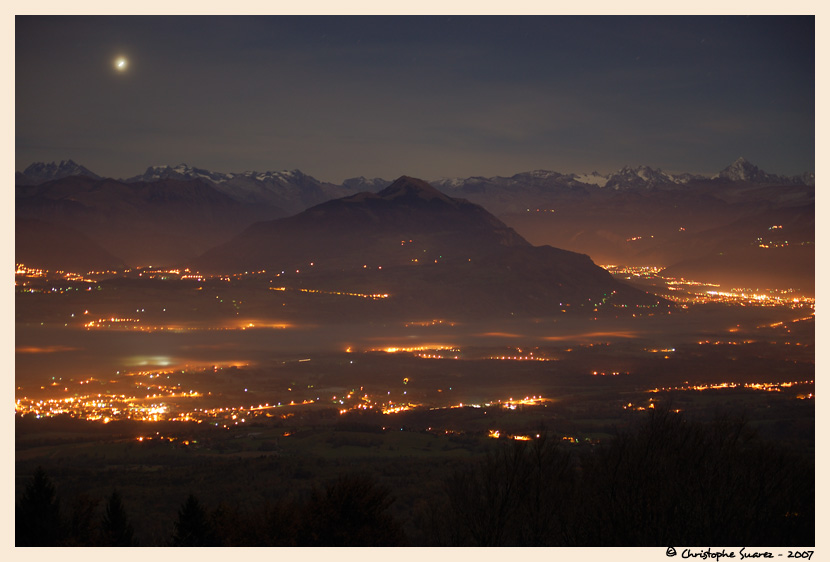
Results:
<point x="427" y="250"/>
<point x="653" y="219"/>
<point x="409" y="209"/>
<point x="739" y="170"/>
<point x="166" y="221"/>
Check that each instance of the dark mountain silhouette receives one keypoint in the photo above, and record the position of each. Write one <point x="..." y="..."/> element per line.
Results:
<point x="161" y="222"/>
<point x="49" y="246"/>
<point x="774" y="248"/>
<point x="409" y="220"/>
<point x="638" y="215"/>
<point x="428" y="250"/>
<point x="696" y="223"/>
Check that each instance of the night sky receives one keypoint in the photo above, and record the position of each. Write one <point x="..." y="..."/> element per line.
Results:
<point x="338" y="97"/>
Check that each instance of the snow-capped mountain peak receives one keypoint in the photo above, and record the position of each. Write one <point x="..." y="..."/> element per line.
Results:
<point x="639" y="177"/>
<point x="362" y="183"/>
<point x="40" y="172"/>
<point x="594" y="178"/>
<point x="742" y="170"/>
<point x="179" y="172"/>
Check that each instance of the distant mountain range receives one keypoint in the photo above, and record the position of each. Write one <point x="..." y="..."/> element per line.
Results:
<point x="637" y="215"/>
<point x="294" y="191"/>
<point x="288" y="191"/>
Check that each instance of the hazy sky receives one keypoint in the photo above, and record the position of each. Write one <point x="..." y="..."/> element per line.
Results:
<point x="344" y="96"/>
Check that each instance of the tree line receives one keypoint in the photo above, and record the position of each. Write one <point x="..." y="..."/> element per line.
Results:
<point x="667" y="481"/>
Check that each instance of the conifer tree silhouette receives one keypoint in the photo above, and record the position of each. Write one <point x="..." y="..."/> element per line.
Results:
<point x="193" y="526"/>
<point x="37" y="514"/>
<point x="116" y="530"/>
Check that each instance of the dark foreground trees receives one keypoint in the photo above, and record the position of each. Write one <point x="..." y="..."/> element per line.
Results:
<point x="193" y="527"/>
<point x="40" y="521"/>
<point x="520" y="494"/>
<point x="116" y="529"/>
<point x="677" y="482"/>
<point x="350" y="511"/>
<point x="669" y="481"/>
<point x="37" y="514"/>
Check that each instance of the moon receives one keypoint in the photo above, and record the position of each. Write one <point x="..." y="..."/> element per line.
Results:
<point x="121" y="64"/>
